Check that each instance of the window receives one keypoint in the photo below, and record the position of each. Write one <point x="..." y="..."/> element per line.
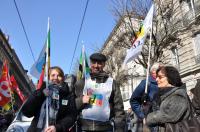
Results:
<point x="187" y="8"/>
<point x="174" y="57"/>
<point x="197" y="48"/>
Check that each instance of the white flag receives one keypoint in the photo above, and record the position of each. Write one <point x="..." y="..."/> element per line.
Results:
<point x="36" y="69"/>
<point x="136" y="48"/>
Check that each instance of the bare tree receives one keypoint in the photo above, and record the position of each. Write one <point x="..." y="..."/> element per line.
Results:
<point x="164" y="26"/>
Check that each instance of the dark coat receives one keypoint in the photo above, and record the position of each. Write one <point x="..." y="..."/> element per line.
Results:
<point x="196" y="97"/>
<point x="174" y="107"/>
<point x="66" y="115"/>
<point x="116" y="106"/>
<point x="137" y="98"/>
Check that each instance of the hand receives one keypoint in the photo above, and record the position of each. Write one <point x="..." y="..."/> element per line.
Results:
<point x="145" y="97"/>
<point x="146" y="107"/>
<point x="86" y="99"/>
<point x="50" y="129"/>
<point x="46" y="92"/>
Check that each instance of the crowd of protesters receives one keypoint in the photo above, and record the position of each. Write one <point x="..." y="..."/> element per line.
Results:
<point x="95" y="103"/>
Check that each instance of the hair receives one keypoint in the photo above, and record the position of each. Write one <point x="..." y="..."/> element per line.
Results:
<point x="58" y="69"/>
<point x="172" y="75"/>
<point x="155" y="67"/>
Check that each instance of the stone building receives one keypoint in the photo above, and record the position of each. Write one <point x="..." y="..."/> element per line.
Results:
<point x="15" y="68"/>
<point x="179" y="25"/>
<point x="184" y="17"/>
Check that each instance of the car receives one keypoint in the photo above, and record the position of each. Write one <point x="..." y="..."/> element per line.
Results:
<point x="20" y="123"/>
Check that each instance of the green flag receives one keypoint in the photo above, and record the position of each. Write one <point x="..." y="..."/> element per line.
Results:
<point x="84" y="70"/>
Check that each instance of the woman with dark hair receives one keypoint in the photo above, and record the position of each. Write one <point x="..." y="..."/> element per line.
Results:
<point x="172" y="99"/>
<point x="62" y="110"/>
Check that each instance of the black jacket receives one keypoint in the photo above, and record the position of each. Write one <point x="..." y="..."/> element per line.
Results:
<point x="116" y="106"/>
<point x="66" y="115"/>
<point x="196" y="97"/>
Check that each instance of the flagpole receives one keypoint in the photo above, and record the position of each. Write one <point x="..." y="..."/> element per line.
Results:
<point x="47" y="74"/>
<point x="148" y="63"/>
<point x="83" y="65"/>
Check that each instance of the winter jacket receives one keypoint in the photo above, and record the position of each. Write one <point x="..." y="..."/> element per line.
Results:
<point x="174" y="107"/>
<point x="66" y="115"/>
<point x="116" y="107"/>
<point x="137" y="98"/>
<point x="196" y="97"/>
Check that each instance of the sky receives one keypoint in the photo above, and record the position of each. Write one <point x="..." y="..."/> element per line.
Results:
<point x="65" y="20"/>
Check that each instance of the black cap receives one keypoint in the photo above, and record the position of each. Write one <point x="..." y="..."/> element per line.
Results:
<point x="98" y="57"/>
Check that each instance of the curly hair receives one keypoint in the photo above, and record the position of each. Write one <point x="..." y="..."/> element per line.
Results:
<point x="172" y="75"/>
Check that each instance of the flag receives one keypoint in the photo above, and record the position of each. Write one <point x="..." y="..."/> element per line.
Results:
<point x="47" y="65"/>
<point x="84" y="69"/>
<point x="36" y="69"/>
<point x="15" y="87"/>
<point x="7" y="106"/>
<point x="40" y="81"/>
<point x="38" y="66"/>
<point x="5" y="95"/>
<point x="136" y="48"/>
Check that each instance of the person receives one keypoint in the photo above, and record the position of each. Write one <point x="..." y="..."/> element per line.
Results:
<point x="99" y="99"/>
<point x="140" y="102"/>
<point x="62" y="109"/>
<point x="172" y="99"/>
<point x="196" y="97"/>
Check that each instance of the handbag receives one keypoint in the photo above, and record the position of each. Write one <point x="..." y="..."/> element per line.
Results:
<point x="187" y="125"/>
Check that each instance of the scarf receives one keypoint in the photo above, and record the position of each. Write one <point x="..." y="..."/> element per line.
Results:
<point x="53" y="106"/>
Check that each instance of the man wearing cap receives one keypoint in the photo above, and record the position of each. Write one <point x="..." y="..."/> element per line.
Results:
<point x="99" y="100"/>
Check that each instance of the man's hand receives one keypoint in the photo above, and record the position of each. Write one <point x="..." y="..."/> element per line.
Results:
<point x="86" y="99"/>
<point x="50" y="129"/>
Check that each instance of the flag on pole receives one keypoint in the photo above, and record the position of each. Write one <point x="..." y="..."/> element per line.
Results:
<point x="84" y="69"/>
<point x="47" y="51"/>
<point x="5" y="95"/>
<point x="15" y="87"/>
<point x="136" y="48"/>
<point x="36" y="69"/>
<point x="47" y="66"/>
<point x="40" y="81"/>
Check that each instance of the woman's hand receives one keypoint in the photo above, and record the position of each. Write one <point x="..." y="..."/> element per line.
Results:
<point x="46" y="92"/>
<point x="50" y="129"/>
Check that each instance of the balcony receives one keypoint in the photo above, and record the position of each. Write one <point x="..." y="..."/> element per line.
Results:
<point x="191" y="15"/>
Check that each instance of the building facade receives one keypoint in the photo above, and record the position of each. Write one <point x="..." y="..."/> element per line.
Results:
<point x="15" y="68"/>
<point x="184" y="16"/>
<point x="178" y="23"/>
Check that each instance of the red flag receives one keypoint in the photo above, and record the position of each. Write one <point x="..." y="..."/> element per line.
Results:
<point x="5" y="95"/>
<point x="15" y="87"/>
<point x="40" y="81"/>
